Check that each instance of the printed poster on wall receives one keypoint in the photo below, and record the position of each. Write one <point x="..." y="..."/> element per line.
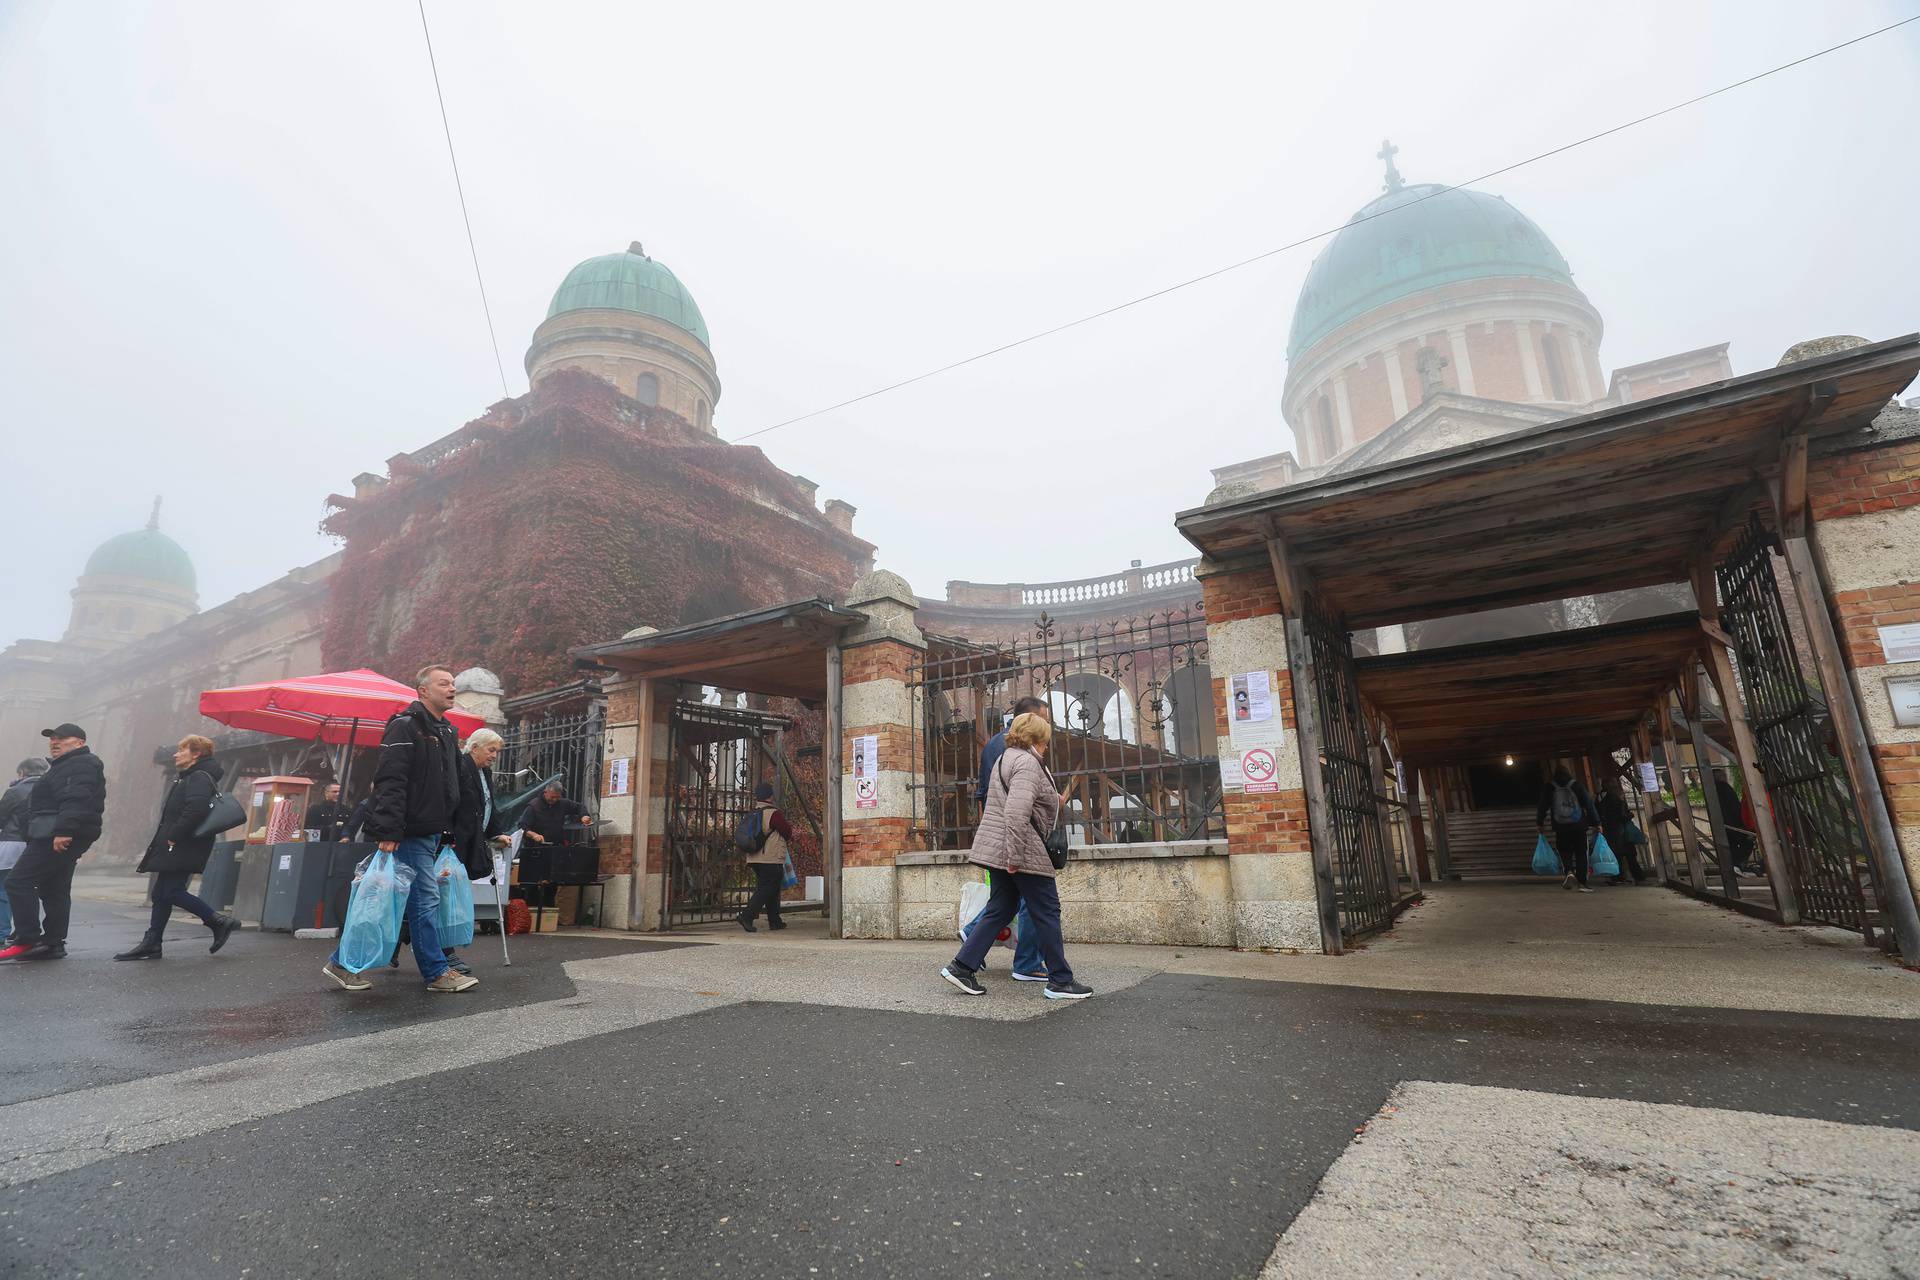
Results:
<point x="866" y="771"/>
<point x="1251" y="721"/>
<point x="1649" y="780"/>
<point x="1901" y="643"/>
<point x="620" y="776"/>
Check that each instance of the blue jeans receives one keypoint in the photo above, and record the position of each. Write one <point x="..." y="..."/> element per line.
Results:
<point x="1010" y="893"/>
<point x="423" y="900"/>
<point x="1026" y="942"/>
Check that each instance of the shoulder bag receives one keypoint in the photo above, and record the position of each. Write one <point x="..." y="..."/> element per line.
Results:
<point x="1055" y="840"/>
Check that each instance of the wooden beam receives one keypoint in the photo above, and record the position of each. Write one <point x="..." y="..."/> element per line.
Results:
<point x="1416" y="824"/>
<point x="1785" y="892"/>
<point x="1716" y="816"/>
<point x="642" y="826"/>
<point x="1320" y="829"/>
<point x="1895" y="891"/>
<point x="1443" y="855"/>
<point x="1288" y="577"/>
<point x="1682" y="806"/>
<point x="1656" y="832"/>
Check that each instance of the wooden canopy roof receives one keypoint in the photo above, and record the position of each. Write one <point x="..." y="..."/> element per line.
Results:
<point x="1626" y="497"/>
<point x="1564" y="691"/>
<point x="780" y="652"/>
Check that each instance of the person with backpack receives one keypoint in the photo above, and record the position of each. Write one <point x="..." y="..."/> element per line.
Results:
<point x="178" y="851"/>
<point x="764" y="835"/>
<point x="1570" y="806"/>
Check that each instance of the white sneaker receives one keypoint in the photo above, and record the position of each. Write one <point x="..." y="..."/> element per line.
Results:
<point x="1029" y="977"/>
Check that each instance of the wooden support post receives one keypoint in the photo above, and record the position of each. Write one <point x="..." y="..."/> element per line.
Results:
<point x="1306" y="713"/>
<point x="642" y="826"/>
<point x="1785" y="893"/>
<point x="1417" y="825"/>
<point x="1895" y="891"/>
<point x="1682" y="807"/>
<point x="1716" y="817"/>
<point x="834" y="751"/>
<point x="1443" y="853"/>
<point x="1661" y="848"/>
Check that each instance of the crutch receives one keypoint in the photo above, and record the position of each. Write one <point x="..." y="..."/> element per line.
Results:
<point x="503" y="859"/>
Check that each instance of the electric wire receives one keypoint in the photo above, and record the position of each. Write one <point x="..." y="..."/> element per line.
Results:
<point x="459" y="187"/>
<point x="1321" y="235"/>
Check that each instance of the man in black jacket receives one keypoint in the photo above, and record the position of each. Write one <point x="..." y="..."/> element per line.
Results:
<point x="416" y="792"/>
<point x="63" y="821"/>
<point x="329" y="817"/>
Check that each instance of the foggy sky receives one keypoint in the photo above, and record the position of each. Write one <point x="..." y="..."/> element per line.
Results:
<point x="234" y="271"/>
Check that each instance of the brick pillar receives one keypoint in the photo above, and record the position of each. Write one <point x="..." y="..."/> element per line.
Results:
<point x="1270" y="852"/>
<point x="1865" y="505"/>
<point x="637" y="712"/>
<point x="876" y="657"/>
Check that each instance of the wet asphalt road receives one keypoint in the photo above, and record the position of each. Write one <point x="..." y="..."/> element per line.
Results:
<point x="1174" y="1128"/>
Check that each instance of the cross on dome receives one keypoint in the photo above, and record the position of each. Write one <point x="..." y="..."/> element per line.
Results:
<point x="1387" y="152"/>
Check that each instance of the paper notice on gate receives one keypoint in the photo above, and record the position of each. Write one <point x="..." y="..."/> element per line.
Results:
<point x="1649" y="780"/>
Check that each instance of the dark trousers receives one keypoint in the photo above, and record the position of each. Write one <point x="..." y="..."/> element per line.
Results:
<point x="1572" y="844"/>
<point x="170" y="891"/>
<point x="41" y="884"/>
<point x="768" y="879"/>
<point x="1007" y="893"/>
<point x="1628" y="853"/>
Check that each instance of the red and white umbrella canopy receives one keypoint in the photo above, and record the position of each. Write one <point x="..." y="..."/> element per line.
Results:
<point x="332" y="707"/>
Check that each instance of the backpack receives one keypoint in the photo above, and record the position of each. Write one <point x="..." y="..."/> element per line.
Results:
<point x="1567" y="809"/>
<point x="750" y="836"/>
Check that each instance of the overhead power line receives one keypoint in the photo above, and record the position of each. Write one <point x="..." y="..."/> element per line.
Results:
<point x="1321" y="235"/>
<point x="461" y="189"/>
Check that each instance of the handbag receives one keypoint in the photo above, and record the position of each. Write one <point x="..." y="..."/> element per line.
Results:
<point x="1054" y="841"/>
<point x="224" y="813"/>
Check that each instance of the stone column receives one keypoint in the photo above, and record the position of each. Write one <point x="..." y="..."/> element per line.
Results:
<point x="632" y="827"/>
<point x="1270" y="851"/>
<point x="478" y="691"/>
<point x="876" y="657"/>
<point x="1865" y="506"/>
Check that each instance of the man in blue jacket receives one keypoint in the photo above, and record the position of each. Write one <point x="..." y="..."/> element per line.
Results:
<point x="1027" y="965"/>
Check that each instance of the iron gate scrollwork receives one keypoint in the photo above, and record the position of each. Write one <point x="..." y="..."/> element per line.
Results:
<point x="568" y="747"/>
<point x="1134" y="742"/>
<point x="1366" y="885"/>
<point x="1814" y="809"/>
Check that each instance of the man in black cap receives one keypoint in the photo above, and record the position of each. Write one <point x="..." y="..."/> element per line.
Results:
<point x="63" y="821"/>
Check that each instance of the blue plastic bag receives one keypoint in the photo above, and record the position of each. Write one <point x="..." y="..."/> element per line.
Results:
<point x="374" y="912"/>
<point x="789" y="880"/>
<point x="453" y="919"/>
<point x="1545" y="861"/>
<point x="1603" y="862"/>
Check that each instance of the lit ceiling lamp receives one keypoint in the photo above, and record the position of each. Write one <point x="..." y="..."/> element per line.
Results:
<point x="1509" y="762"/>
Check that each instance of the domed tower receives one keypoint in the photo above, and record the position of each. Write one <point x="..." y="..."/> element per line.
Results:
<point x="1428" y="289"/>
<point x="630" y="320"/>
<point x="134" y="584"/>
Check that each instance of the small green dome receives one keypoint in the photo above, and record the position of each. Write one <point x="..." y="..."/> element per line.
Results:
<point x="1413" y="239"/>
<point x="147" y="554"/>
<point x="630" y="281"/>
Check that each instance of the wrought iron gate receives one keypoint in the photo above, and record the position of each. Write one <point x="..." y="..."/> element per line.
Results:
<point x="717" y="755"/>
<point x="565" y="746"/>
<point x="1813" y="807"/>
<point x="1366" y="885"/>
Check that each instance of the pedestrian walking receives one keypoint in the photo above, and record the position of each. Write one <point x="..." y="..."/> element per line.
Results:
<point x="1027" y="964"/>
<point x="13" y="831"/>
<point x="773" y="836"/>
<point x="416" y="792"/>
<point x="1570" y="806"/>
<point x="1738" y="817"/>
<point x="1616" y="823"/>
<point x="1022" y="808"/>
<point x="477" y="828"/>
<point x="63" y="821"/>
<point x="178" y="852"/>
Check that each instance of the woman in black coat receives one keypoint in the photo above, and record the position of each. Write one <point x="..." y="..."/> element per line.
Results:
<point x="177" y="852"/>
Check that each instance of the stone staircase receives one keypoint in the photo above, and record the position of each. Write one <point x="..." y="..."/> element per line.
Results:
<point x="1491" y="842"/>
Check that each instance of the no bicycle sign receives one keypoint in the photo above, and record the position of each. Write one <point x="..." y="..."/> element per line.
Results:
<point x="1260" y="769"/>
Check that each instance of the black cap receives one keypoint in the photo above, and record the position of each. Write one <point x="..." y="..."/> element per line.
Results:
<point x="763" y="792"/>
<point x="67" y="730"/>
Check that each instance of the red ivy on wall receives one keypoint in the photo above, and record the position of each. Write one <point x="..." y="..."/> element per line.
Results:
<point x="568" y="516"/>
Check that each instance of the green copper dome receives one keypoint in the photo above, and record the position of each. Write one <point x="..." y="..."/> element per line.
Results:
<point x="147" y="554"/>
<point x="630" y="281"/>
<point x="1412" y="239"/>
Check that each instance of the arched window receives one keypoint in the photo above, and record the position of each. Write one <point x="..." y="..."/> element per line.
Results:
<point x="1556" y="378"/>
<point x="703" y="414"/>
<point x="647" y="389"/>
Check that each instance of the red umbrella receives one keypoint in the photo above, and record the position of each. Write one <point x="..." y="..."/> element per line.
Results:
<point x="341" y="706"/>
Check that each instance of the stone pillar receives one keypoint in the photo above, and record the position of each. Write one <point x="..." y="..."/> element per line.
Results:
<point x="1270" y="851"/>
<point x="876" y="657"/>
<point x="1865" y="505"/>
<point x="478" y="691"/>
<point x="632" y="827"/>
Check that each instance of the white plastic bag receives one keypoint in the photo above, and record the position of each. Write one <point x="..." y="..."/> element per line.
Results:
<point x="973" y="900"/>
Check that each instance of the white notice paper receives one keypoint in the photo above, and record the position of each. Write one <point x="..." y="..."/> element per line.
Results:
<point x="1901" y="643"/>
<point x="1251" y="721"/>
<point x="1649" y="780"/>
<point x="866" y="771"/>
<point x="620" y="776"/>
<point x="1905" y="697"/>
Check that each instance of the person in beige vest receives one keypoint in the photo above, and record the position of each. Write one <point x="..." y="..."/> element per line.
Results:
<point x="768" y="862"/>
